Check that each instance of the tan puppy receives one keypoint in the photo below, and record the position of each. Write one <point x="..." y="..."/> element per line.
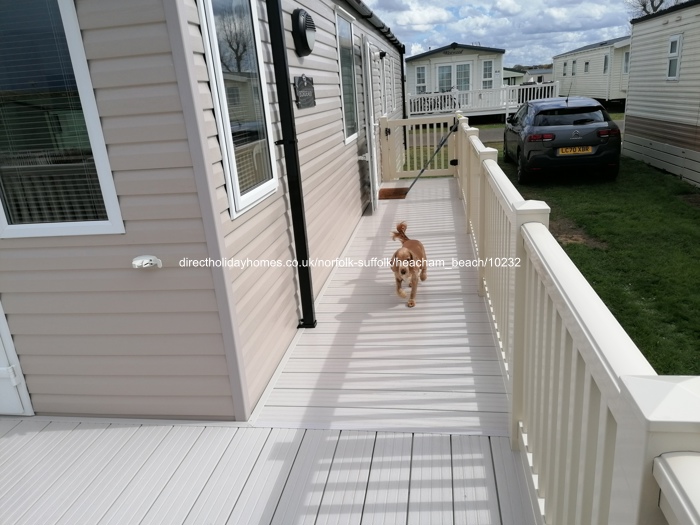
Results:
<point x="408" y="264"/>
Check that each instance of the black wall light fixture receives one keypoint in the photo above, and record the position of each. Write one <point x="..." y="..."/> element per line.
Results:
<point x="304" y="32"/>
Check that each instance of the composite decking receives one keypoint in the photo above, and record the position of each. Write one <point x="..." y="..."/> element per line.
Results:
<point x="374" y="364"/>
<point x="380" y="415"/>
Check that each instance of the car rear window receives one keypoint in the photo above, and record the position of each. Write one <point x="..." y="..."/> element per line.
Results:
<point x="570" y="116"/>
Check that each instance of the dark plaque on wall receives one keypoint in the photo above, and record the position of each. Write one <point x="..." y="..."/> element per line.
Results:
<point x="304" y="90"/>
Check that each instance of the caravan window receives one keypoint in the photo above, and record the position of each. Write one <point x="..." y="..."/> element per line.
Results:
<point x="347" y="73"/>
<point x="674" y="56"/>
<point x="420" y="79"/>
<point x="487" y="77"/>
<point x="241" y="106"/>
<point x="55" y="177"/>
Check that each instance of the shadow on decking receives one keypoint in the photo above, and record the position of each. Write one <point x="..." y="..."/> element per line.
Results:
<point x="374" y="364"/>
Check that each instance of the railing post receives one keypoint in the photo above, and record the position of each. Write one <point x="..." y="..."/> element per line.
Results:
<point x="655" y="415"/>
<point x="387" y="151"/>
<point x="484" y="155"/>
<point x="459" y="152"/>
<point x="473" y="170"/>
<point x="525" y="211"/>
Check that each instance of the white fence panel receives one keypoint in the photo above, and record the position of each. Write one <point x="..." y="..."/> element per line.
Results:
<point x="589" y="413"/>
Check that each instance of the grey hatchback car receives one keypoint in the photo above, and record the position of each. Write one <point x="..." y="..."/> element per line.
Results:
<point x="562" y="132"/>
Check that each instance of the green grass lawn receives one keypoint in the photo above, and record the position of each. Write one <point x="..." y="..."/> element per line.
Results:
<point x="637" y="241"/>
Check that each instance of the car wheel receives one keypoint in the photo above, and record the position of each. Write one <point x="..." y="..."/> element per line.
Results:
<point x="523" y="175"/>
<point x="506" y="154"/>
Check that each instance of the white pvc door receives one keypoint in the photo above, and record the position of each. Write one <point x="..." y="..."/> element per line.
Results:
<point x="370" y="126"/>
<point x="14" y="397"/>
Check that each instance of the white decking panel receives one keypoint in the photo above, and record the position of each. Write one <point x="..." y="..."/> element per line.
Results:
<point x="30" y="488"/>
<point x="133" y="503"/>
<point x="349" y="340"/>
<point x="475" y="495"/>
<point x="262" y="491"/>
<point x="512" y="497"/>
<point x="301" y="498"/>
<point x="420" y="400"/>
<point x="7" y="425"/>
<point x="350" y="365"/>
<point x="114" y="476"/>
<point x="15" y="467"/>
<point x="384" y="414"/>
<point x="346" y="487"/>
<point x="431" y="497"/>
<point x="176" y="500"/>
<point x="74" y="480"/>
<point x="216" y="475"/>
<point x="387" y="490"/>
<point x="17" y="434"/>
<point x="484" y="353"/>
<point x="228" y="479"/>
<point x="406" y="382"/>
<point x="388" y="420"/>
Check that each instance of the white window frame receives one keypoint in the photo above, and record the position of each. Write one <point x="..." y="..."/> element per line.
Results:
<point x="565" y="64"/>
<point x="469" y="69"/>
<point x="437" y="77"/>
<point x="678" y="39"/>
<point x="342" y="13"/>
<point x="606" y="64"/>
<point x="238" y="203"/>
<point x="586" y="66"/>
<point x="393" y="85"/>
<point x="626" y="63"/>
<point x="424" y="84"/>
<point x="384" y="85"/>
<point x="573" y="68"/>
<point x="114" y="223"/>
<point x="484" y="78"/>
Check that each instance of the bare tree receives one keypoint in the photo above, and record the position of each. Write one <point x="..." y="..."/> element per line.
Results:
<point x="648" y="7"/>
<point x="235" y="37"/>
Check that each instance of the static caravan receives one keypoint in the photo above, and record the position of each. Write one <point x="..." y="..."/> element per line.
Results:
<point x="539" y="75"/>
<point x="456" y="66"/>
<point x="599" y="71"/>
<point x="662" y="118"/>
<point x="512" y="77"/>
<point x="167" y="167"/>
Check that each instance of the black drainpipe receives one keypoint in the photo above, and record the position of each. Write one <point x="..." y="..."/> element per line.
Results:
<point x="403" y="89"/>
<point x="291" y="159"/>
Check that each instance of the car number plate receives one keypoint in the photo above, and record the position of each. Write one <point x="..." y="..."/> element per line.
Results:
<point x="576" y="150"/>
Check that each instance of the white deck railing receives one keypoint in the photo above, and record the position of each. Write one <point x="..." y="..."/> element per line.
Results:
<point x="588" y="413"/>
<point x="408" y="144"/>
<point x="499" y="100"/>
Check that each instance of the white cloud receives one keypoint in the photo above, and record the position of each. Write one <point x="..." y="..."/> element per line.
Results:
<point x="531" y="31"/>
<point x="509" y="7"/>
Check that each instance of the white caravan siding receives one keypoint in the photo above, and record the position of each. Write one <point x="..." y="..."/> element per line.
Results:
<point x="335" y="185"/>
<point x="595" y="83"/>
<point x="97" y="337"/>
<point x="449" y="58"/>
<point x="619" y="79"/>
<point x="93" y="335"/>
<point x="663" y="116"/>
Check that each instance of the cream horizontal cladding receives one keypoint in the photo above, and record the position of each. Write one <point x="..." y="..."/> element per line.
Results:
<point x="662" y="117"/>
<point x="334" y="184"/>
<point x="95" y="336"/>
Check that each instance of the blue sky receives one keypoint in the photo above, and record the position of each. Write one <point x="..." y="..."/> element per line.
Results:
<point x="531" y="31"/>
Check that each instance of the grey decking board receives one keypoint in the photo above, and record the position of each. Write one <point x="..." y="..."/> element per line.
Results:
<point x="387" y="420"/>
<point x="431" y="383"/>
<point x="265" y="474"/>
<point x="445" y="401"/>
